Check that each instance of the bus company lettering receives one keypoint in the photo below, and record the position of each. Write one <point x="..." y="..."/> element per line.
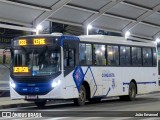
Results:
<point x="107" y="74"/>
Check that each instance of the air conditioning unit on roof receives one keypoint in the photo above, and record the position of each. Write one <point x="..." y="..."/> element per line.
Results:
<point x="56" y="34"/>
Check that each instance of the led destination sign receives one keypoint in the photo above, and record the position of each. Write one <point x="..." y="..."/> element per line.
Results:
<point x="35" y="41"/>
<point x="22" y="42"/>
<point x="40" y="41"/>
<point x="21" y="70"/>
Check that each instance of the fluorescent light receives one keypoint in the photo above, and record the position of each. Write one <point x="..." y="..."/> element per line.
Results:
<point x="157" y="40"/>
<point x="89" y="27"/>
<point x="97" y="52"/>
<point x="110" y="53"/>
<point x="127" y="34"/>
<point x="103" y="48"/>
<point x="39" y="27"/>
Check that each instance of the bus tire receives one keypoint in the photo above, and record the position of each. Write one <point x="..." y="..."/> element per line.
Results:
<point x="131" y="93"/>
<point x="41" y="103"/>
<point x="80" y="101"/>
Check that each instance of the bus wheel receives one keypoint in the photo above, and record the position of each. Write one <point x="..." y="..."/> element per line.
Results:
<point x="95" y="100"/>
<point x="131" y="93"/>
<point x="40" y="103"/>
<point x="82" y="97"/>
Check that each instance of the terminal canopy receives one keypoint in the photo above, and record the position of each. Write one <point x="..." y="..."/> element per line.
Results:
<point x="140" y="17"/>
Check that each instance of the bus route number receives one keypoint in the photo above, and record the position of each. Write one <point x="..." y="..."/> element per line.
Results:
<point x="40" y="41"/>
<point x="22" y="42"/>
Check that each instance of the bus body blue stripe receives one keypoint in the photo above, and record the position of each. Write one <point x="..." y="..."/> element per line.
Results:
<point x="33" y="88"/>
<point x="94" y="81"/>
<point x="108" y="92"/>
<point x="154" y="82"/>
<point x="79" y="80"/>
<point x="93" y="78"/>
<point x="103" y="96"/>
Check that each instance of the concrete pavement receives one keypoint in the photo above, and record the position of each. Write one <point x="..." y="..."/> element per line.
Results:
<point x="6" y="102"/>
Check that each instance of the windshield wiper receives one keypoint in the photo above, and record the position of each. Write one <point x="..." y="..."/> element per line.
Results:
<point x="32" y="59"/>
<point x="44" y="49"/>
<point x="23" y="49"/>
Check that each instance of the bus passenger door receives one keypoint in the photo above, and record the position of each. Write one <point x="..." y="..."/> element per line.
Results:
<point x="70" y="61"/>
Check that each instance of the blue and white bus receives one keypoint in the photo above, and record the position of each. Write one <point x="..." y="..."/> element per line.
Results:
<point x="55" y="66"/>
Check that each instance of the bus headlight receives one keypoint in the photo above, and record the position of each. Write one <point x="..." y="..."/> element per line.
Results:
<point x="56" y="83"/>
<point x="12" y="84"/>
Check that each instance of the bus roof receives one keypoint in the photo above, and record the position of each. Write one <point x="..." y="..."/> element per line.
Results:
<point x="113" y="40"/>
<point x="40" y="35"/>
<point x="51" y="35"/>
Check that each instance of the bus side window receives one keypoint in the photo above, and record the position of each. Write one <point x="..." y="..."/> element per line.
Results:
<point x="65" y="57"/>
<point x="99" y="54"/>
<point x="125" y="56"/>
<point x="136" y="56"/>
<point x="154" y="54"/>
<point x="85" y="54"/>
<point x="113" y="55"/>
<point x="69" y="58"/>
<point x="147" y="57"/>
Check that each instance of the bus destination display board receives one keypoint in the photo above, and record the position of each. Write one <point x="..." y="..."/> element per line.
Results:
<point x="22" y="42"/>
<point x="40" y="41"/>
<point x="20" y="69"/>
<point x="33" y="41"/>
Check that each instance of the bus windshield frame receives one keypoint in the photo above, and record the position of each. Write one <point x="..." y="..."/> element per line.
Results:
<point x="32" y="60"/>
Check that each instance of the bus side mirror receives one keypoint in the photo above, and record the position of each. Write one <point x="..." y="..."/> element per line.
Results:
<point x="4" y="58"/>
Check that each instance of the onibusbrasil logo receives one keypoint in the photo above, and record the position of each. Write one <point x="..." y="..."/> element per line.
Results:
<point x="21" y="115"/>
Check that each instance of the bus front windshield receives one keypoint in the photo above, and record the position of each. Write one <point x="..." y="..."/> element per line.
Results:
<point x="36" y="61"/>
